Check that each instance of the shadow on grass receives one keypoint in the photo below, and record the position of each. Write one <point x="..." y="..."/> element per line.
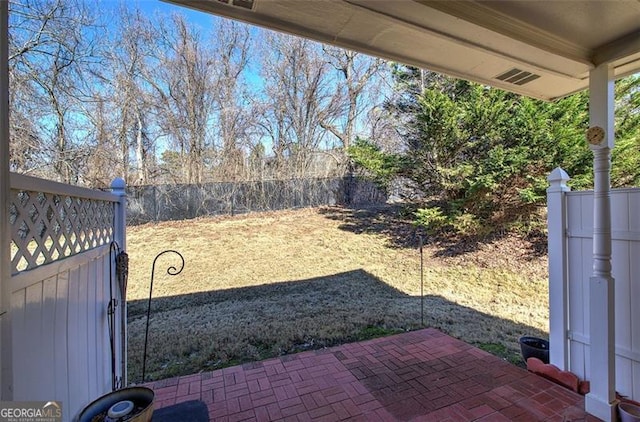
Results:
<point x="395" y="221"/>
<point x="535" y="245"/>
<point x="210" y="330"/>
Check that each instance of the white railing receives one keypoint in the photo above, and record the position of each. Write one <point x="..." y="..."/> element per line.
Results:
<point x="62" y="281"/>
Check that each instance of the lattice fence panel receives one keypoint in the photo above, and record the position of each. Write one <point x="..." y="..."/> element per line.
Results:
<point x="48" y="227"/>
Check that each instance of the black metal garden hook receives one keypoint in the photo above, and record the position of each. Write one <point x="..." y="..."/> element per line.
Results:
<point x="172" y="270"/>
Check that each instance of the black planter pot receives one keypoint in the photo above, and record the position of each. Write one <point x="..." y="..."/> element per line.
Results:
<point x="141" y="397"/>
<point x="534" y="347"/>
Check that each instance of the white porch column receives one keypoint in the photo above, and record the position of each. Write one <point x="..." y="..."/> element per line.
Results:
<point x="557" y="244"/>
<point x="601" y="401"/>
<point x="6" y="380"/>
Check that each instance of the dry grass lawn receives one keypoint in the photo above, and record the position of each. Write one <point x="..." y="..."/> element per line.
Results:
<point x="267" y="284"/>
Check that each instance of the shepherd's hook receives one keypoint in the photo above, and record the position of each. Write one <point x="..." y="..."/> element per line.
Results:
<point x="172" y="270"/>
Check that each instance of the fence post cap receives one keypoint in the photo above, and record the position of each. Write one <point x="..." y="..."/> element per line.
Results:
<point x="558" y="176"/>
<point x="118" y="184"/>
<point x="558" y="179"/>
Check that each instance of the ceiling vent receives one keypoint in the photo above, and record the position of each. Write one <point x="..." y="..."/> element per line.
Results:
<point x="245" y="4"/>
<point x="517" y="76"/>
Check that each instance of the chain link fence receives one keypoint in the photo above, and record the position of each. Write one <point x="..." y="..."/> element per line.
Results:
<point x="180" y="202"/>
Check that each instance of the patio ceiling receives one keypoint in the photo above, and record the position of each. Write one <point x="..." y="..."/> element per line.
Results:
<point x="543" y="49"/>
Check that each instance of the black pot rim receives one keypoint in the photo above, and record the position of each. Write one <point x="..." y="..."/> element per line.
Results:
<point x="524" y="340"/>
<point x="105" y="401"/>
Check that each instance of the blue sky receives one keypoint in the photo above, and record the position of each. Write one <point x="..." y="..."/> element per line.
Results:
<point x="194" y="17"/>
<point x="156" y="7"/>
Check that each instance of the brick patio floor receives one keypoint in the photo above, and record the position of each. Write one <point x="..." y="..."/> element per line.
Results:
<point x="417" y="376"/>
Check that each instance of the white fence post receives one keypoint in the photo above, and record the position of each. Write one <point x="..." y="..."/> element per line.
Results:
<point x="557" y="250"/>
<point x="118" y="187"/>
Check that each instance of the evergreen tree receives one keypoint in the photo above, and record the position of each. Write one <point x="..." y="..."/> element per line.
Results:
<point x="626" y="154"/>
<point x="482" y="152"/>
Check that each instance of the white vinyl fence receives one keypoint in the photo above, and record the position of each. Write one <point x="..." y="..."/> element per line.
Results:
<point x="61" y="284"/>
<point x="570" y="266"/>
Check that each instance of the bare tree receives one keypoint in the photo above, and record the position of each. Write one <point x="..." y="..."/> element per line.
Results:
<point x="233" y="121"/>
<point x="130" y="59"/>
<point x="298" y="96"/>
<point x="51" y="53"/>
<point x="182" y="83"/>
<point x="102" y="161"/>
<point x="356" y="72"/>
<point x="87" y="104"/>
<point x="25" y="146"/>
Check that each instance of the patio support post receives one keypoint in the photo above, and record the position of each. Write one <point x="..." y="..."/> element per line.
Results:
<point x="118" y="187"/>
<point x="6" y="380"/>
<point x="601" y="401"/>
<point x="557" y="243"/>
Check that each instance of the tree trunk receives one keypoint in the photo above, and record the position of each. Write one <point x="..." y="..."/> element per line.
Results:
<point x="140" y="150"/>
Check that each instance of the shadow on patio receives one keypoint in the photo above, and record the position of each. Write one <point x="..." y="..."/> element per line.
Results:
<point x="419" y="375"/>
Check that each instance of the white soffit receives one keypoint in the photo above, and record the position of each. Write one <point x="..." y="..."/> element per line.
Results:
<point x="557" y="42"/>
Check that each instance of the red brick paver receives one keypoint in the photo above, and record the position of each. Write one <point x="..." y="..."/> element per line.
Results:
<point x="418" y="376"/>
